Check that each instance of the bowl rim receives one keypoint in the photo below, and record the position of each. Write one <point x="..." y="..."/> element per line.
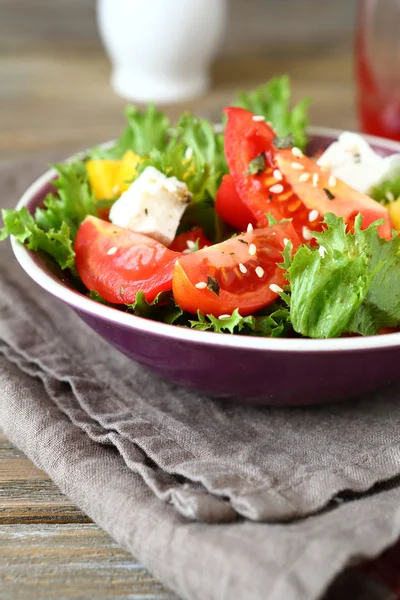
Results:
<point x="79" y="302"/>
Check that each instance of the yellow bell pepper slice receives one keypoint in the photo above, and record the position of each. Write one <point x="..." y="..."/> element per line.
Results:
<point x="394" y="213"/>
<point x="127" y="171"/>
<point x="102" y="176"/>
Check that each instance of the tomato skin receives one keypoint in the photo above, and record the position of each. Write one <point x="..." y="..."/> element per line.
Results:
<point x="139" y="263"/>
<point x="230" y="207"/>
<point x="347" y="201"/>
<point x="244" y="140"/>
<point x="246" y="291"/>
<point x="179" y="244"/>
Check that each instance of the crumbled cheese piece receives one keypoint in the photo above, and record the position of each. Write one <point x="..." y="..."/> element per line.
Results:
<point x="352" y="160"/>
<point x="152" y="205"/>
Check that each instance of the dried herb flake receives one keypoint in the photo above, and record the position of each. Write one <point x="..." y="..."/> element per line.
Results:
<point x="286" y="141"/>
<point x="213" y="285"/>
<point x="257" y="165"/>
<point x="329" y="194"/>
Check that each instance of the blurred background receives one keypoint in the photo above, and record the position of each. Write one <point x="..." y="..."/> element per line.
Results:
<point x="55" y="94"/>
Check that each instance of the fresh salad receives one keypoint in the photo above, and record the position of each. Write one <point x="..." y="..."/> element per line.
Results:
<point x="235" y="231"/>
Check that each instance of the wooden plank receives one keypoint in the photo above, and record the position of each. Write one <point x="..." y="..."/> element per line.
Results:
<point x="27" y="495"/>
<point x="42" y="111"/>
<point x="66" y="562"/>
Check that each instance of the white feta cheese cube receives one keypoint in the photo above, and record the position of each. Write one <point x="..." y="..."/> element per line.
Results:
<point x="352" y="160"/>
<point x="152" y="205"/>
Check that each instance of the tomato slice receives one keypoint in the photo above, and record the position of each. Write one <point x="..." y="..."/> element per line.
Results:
<point x="237" y="273"/>
<point x="184" y="241"/>
<point x="117" y="263"/>
<point x="230" y="207"/>
<point x="321" y="193"/>
<point x="282" y="188"/>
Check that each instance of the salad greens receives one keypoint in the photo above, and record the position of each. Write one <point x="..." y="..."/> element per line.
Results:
<point x="147" y="130"/>
<point x="348" y="283"/>
<point x="54" y="226"/>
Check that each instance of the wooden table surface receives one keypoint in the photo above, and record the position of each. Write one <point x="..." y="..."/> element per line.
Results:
<point x="55" y="96"/>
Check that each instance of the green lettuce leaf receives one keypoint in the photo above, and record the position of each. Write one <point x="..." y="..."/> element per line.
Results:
<point x="234" y="324"/>
<point x="57" y="243"/>
<point x="73" y="201"/>
<point x="163" y="308"/>
<point x="274" y="321"/>
<point x="194" y="155"/>
<point x="349" y="284"/>
<point x="147" y="130"/>
<point x="206" y="147"/>
<point x="386" y="191"/>
<point x="272" y="100"/>
<point x="54" y="225"/>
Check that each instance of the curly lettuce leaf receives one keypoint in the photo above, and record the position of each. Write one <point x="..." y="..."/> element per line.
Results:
<point x="349" y="284"/>
<point x="163" y="308"/>
<point x="274" y="322"/>
<point x="272" y="100"/>
<point x="54" y="225"/>
<point x="57" y="243"/>
<point x="205" y="146"/>
<point x="194" y="154"/>
<point x="147" y="130"/>
<point x="73" y="201"/>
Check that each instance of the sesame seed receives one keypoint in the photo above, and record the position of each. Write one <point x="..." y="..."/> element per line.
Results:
<point x="285" y="241"/>
<point x="201" y="285"/>
<point x="297" y="166"/>
<point x="313" y="215"/>
<point x="189" y="153"/>
<point x="322" y="251"/>
<point x="315" y="179"/>
<point x="278" y="175"/>
<point x="252" y="250"/>
<point x="307" y="235"/>
<point x="112" y="250"/>
<point x="242" y="268"/>
<point x="249" y="228"/>
<point x="332" y="181"/>
<point x="259" y="272"/>
<point x="224" y="317"/>
<point x="274" y="287"/>
<point x="276" y="189"/>
<point x="304" y="177"/>
<point x="190" y="244"/>
<point x="297" y="152"/>
<point x="389" y="196"/>
<point x="258" y="118"/>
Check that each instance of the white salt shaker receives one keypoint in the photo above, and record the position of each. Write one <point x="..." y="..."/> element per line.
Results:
<point x="161" y="50"/>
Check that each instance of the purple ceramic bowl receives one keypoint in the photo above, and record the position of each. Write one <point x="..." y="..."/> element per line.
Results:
<point x="253" y="370"/>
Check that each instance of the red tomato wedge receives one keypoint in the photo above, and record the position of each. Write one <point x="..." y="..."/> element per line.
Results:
<point x="117" y="263"/>
<point x="322" y="193"/>
<point x="230" y="207"/>
<point x="245" y="140"/>
<point x="282" y="188"/>
<point x="237" y="273"/>
<point x="184" y="241"/>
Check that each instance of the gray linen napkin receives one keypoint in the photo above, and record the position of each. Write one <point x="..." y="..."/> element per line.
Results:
<point x="142" y="456"/>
